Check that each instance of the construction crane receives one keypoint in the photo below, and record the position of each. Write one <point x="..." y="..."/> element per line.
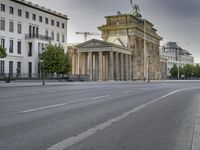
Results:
<point x="86" y="34"/>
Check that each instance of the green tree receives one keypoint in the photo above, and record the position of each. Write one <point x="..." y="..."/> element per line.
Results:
<point x="189" y="70"/>
<point x="174" y="71"/>
<point x="55" y="60"/>
<point x="197" y="71"/>
<point x="2" y="52"/>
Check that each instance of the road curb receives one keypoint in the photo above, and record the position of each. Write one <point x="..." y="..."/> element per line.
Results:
<point x="196" y="137"/>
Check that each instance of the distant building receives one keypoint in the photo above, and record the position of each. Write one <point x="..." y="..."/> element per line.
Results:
<point x="25" y="29"/>
<point x="175" y="55"/>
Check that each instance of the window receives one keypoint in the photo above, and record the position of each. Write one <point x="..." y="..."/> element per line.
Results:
<point x="34" y="17"/>
<point x="19" y="47"/>
<point x="30" y="68"/>
<point x="3" y="8"/>
<point x="19" y="28"/>
<point x="58" y="24"/>
<point x="26" y="14"/>
<point x="2" y="42"/>
<point x="19" y="67"/>
<point x="11" y="46"/>
<point x="11" y="26"/>
<point x="46" y="20"/>
<point x="11" y="10"/>
<point x="40" y="18"/>
<point x="19" y="12"/>
<point x="2" y="24"/>
<point x="63" y="25"/>
<point x="46" y="33"/>
<point x="30" y="49"/>
<point x="63" y="38"/>
<point x="58" y="37"/>
<point x="2" y="67"/>
<point x="52" y="36"/>
<point x="52" y="22"/>
<point x="11" y="67"/>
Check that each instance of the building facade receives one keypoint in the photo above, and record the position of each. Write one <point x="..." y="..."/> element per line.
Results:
<point x="175" y="55"/>
<point x="25" y="30"/>
<point x="129" y="51"/>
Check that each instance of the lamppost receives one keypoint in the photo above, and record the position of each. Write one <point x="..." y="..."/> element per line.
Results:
<point x="148" y="59"/>
<point x="42" y="61"/>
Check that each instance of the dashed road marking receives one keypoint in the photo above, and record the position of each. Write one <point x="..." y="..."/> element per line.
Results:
<point x="104" y="96"/>
<point x="125" y="92"/>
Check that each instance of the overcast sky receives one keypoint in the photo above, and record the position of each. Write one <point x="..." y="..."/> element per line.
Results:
<point x="175" y="20"/>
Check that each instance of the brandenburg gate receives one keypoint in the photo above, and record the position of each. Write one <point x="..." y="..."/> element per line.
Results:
<point x="129" y="50"/>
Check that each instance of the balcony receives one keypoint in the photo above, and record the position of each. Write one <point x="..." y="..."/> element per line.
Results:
<point x="37" y="36"/>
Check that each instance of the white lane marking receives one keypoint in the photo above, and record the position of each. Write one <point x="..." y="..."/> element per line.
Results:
<point x="73" y="140"/>
<point x="42" y="108"/>
<point x="62" y="104"/>
<point x="125" y="92"/>
<point x="104" y="96"/>
<point x="196" y="136"/>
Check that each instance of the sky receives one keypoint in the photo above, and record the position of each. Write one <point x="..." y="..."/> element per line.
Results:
<point x="175" y="20"/>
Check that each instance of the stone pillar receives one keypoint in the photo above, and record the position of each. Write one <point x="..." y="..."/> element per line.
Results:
<point x="117" y="65"/>
<point x="111" y="65"/>
<point x="126" y="67"/>
<point x="79" y="62"/>
<point x="122" y="66"/>
<point x="106" y="67"/>
<point x="100" y="66"/>
<point x="130" y="67"/>
<point x="96" y="66"/>
<point x="90" y="66"/>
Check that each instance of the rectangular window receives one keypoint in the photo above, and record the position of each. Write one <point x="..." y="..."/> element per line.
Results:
<point x="58" y="37"/>
<point x="40" y="18"/>
<point x="11" y="46"/>
<point x="11" y="26"/>
<point x="19" y="28"/>
<point x="46" y="33"/>
<point x="58" y="24"/>
<point x="30" y="49"/>
<point x="30" y="68"/>
<point x="27" y="15"/>
<point x="19" y="67"/>
<point x="3" y="7"/>
<point x="11" y="10"/>
<point x="52" y="22"/>
<point x="52" y="36"/>
<point x="19" y="47"/>
<point x="2" y="67"/>
<point x="2" y="24"/>
<point x="34" y="17"/>
<point x="63" y="38"/>
<point x="63" y="25"/>
<point x="19" y="12"/>
<point x="11" y="67"/>
<point x="46" y="20"/>
<point x="2" y="42"/>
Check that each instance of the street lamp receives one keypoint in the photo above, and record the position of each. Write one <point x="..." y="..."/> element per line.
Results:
<point x="148" y="59"/>
<point x="42" y="61"/>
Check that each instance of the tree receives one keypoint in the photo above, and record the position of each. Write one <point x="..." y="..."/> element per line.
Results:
<point x="55" y="60"/>
<point x="2" y="52"/>
<point x="174" y="71"/>
<point x="189" y="70"/>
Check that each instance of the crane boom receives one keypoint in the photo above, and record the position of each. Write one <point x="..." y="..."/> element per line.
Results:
<point x="86" y="34"/>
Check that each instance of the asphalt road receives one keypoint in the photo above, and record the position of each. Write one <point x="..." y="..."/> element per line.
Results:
<point x="102" y="116"/>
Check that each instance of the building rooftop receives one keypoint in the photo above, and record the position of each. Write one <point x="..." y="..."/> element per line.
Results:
<point x="41" y="8"/>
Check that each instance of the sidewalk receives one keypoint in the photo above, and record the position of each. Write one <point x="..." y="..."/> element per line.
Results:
<point x="59" y="83"/>
<point x="64" y="83"/>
